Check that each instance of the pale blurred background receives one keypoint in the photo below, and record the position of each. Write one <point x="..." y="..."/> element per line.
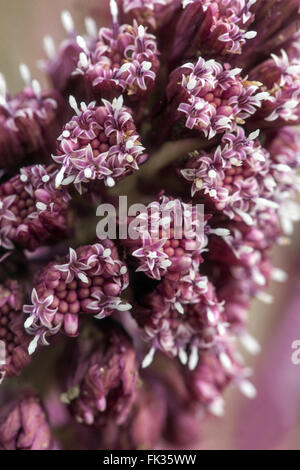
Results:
<point x="271" y="420"/>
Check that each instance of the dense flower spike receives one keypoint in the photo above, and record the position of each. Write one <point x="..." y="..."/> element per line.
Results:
<point x="12" y="336"/>
<point x="218" y="28"/>
<point x="29" y="123"/>
<point x="24" y="426"/>
<point x="180" y="318"/>
<point x="102" y="378"/>
<point x="89" y="281"/>
<point x="162" y="245"/>
<point x="32" y="210"/>
<point x="211" y="97"/>
<point x="100" y="143"/>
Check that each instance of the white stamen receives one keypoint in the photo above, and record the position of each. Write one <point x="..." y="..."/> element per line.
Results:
<point x="49" y="47"/>
<point x="254" y="134"/>
<point x="179" y="307"/>
<point x="36" y="88"/>
<point x="148" y="358"/>
<point x="146" y="65"/>
<point x="29" y="322"/>
<point x="248" y="389"/>
<point x="83" y="60"/>
<point x="59" y="177"/>
<point x="141" y="31"/>
<point x="74" y="105"/>
<point x="25" y="74"/>
<point x="220" y="232"/>
<point x="250" y="34"/>
<point x="217" y="407"/>
<point x="123" y="307"/>
<point x="91" y="27"/>
<point x="117" y="103"/>
<point x="66" y="134"/>
<point x="265" y="297"/>
<point x="33" y="345"/>
<point x="45" y="178"/>
<point x="225" y="361"/>
<point x="41" y="206"/>
<point x="106" y="252"/>
<point x="3" y="88"/>
<point x="88" y="173"/>
<point x="23" y="178"/>
<point x="83" y="277"/>
<point x="123" y="270"/>
<point x="182" y="356"/>
<point x="212" y="173"/>
<point x="110" y="182"/>
<point x="82" y="44"/>
<point x="250" y="344"/>
<point x="114" y="10"/>
<point x="279" y="275"/>
<point x="194" y="358"/>
<point x="67" y="21"/>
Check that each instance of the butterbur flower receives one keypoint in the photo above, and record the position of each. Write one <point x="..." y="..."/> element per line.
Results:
<point x="212" y="98"/>
<point x="178" y="328"/>
<point x="102" y="378"/>
<point x="170" y="237"/>
<point x="124" y="59"/>
<point x="216" y="28"/>
<point x="13" y="339"/>
<point x="100" y="143"/>
<point x="152" y="13"/>
<point x="32" y="210"/>
<point x="89" y="281"/>
<point x="24" y="425"/>
<point x="29" y="123"/>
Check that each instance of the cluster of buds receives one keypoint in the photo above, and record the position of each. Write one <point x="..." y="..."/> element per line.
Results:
<point x="24" y="425"/>
<point x="212" y="97"/>
<point x="102" y="377"/>
<point x="13" y="339"/>
<point x="32" y="210"/>
<point x="89" y="281"/>
<point x="218" y="28"/>
<point x="29" y="123"/>
<point x="100" y="143"/>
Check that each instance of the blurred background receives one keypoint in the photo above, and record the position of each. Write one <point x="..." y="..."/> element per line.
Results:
<point x="272" y="420"/>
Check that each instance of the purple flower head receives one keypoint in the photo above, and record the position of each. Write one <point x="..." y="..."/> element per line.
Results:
<point x="100" y="143"/>
<point x="29" y="123"/>
<point x="180" y="326"/>
<point x="211" y="97"/>
<point x="102" y="378"/>
<point x="15" y="357"/>
<point x="32" y="210"/>
<point x="124" y="59"/>
<point x="24" y="425"/>
<point x="280" y="76"/>
<point x="89" y="281"/>
<point x="219" y="28"/>
<point x="170" y="238"/>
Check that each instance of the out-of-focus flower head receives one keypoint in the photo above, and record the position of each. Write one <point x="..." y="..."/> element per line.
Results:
<point x="89" y="281"/>
<point x="32" y="210"/>
<point x="29" y="123"/>
<point x="102" y="377"/>
<point x="13" y="339"/>
<point x="24" y="425"/>
<point x="100" y="143"/>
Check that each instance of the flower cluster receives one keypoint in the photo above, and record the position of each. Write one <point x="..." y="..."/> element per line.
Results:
<point x="89" y="281"/>
<point x="32" y="210"/>
<point x="208" y="93"/>
<point x="29" y="123"/>
<point x="100" y="143"/>
<point x="212" y="97"/>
